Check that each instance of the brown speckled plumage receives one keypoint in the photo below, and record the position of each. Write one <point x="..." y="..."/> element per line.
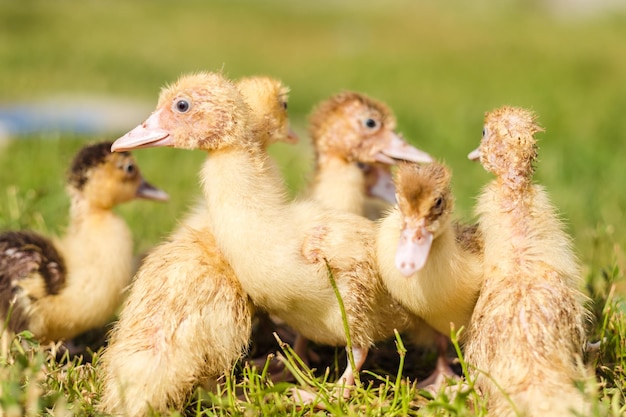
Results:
<point x="528" y="328"/>
<point x="26" y="255"/>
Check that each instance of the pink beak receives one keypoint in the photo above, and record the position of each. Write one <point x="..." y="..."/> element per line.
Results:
<point x="398" y="149"/>
<point x="413" y="249"/>
<point x="474" y="155"/>
<point x="147" y="135"/>
<point x="292" y="136"/>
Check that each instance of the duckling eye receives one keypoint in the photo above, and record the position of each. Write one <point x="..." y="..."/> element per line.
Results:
<point x="365" y="168"/>
<point x="370" y="123"/>
<point x="182" y="106"/>
<point x="438" y="204"/>
<point x="129" y="169"/>
<point x="284" y="105"/>
<point x="484" y="131"/>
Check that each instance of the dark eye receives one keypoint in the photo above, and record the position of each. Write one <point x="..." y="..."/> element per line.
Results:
<point x="365" y="168"/>
<point x="484" y="131"/>
<point x="370" y="123"/>
<point x="438" y="203"/>
<point x="129" y="168"/>
<point x="182" y="106"/>
<point x="285" y="105"/>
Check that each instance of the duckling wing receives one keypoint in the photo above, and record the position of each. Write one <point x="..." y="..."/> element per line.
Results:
<point x="30" y="268"/>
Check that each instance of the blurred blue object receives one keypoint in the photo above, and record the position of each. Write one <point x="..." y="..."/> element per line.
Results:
<point x="68" y="114"/>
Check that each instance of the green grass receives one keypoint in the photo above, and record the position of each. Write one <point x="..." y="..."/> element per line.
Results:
<point x="439" y="67"/>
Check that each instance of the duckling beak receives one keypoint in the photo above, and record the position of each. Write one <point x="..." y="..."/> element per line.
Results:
<point x="147" y="135"/>
<point x="150" y="192"/>
<point x="292" y="136"/>
<point x="413" y="249"/>
<point x="397" y="148"/>
<point x="474" y="155"/>
<point x="384" y="187"/>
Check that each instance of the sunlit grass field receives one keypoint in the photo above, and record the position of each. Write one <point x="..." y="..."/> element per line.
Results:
<point x="438" y="67"/>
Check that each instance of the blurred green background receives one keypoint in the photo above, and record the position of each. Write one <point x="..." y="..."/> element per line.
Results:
<point x="438" y="65"/>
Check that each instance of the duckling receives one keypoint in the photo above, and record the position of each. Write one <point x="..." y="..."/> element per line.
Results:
<point x="354" y="137"/>
<point x="59" y="289"/>
<point x="527" y="332"/>
<point x="419" y="256"/>
<point x="261" y="233"/>
<point x="186" y="320"/>
<point x="423" y="262"/>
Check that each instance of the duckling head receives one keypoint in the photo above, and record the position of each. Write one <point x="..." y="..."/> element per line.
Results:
<point x="267" y="98"/>
<point x="107" y="179"/>
<point x="426" y="203"/>
<point x="357" y="128"/>
<point x="199" y="111"/>
<point x="508" y="147"/>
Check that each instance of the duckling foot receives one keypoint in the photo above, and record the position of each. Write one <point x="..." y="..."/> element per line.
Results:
<point x="307" y="398"/>
<point x="440" y="375"/>
<point x="442" y="371"/>
<point x="347" y="380"/>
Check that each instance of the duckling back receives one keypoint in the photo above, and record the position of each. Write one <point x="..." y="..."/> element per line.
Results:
<point x="30" y="268"/>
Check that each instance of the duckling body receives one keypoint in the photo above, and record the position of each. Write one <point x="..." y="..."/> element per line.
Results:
<point x="264" y="236"/>
<point x="66" y="287"/>
<point x="528" y="327"/>
<point x="185" y="323"/>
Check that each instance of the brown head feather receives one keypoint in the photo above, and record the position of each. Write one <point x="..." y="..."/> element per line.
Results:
<point x="424" y="191"/>
<point x="338" y="125"/>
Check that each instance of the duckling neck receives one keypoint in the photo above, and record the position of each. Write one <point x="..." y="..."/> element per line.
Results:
<point x="97" y="248"/>
<point x="246" y="176"/>
<point x="520" y="228"/>
<point x="248" y="212"/>
<point x="339" y="184"/>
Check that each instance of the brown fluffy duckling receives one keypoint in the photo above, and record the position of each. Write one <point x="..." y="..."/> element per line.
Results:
<point x="355" y="142"/>
<point x="261" y="233"/>
<point x="186" y="320"/>
<point x="424" y="263"/>
<point x="60" y="289"/>
<point x="527" y="331"/>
